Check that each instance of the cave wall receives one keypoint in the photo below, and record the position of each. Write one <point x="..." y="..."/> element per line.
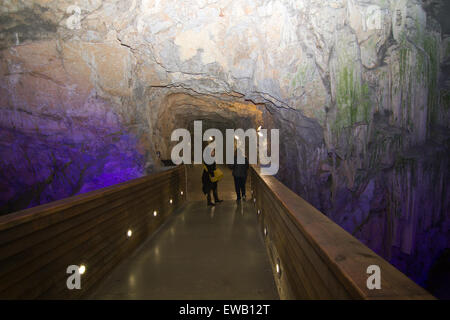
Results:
<point x="359" y="90"/>
<point x="59" y="136"/>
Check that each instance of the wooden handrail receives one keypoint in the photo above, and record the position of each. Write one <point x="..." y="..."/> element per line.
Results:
<point x="318" y="259"/>
<point x="38" y="244"/>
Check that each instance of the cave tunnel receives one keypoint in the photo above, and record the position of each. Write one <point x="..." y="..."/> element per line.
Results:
<point x="91" y="92"/>
<point x="182" y="110"/>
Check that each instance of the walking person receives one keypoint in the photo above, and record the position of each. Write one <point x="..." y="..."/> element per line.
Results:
<point x="211" y="175"/>
<point x="240" y="176"/>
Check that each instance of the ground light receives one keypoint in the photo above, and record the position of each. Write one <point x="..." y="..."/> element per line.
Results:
<point x="278" y="268"/>
<point x="82" y="269"/>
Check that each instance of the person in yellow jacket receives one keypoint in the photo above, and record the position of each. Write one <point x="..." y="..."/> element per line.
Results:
<point x="210" y="177"/>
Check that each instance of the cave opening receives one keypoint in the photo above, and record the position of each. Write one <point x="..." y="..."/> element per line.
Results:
<point x="182" y="110"/>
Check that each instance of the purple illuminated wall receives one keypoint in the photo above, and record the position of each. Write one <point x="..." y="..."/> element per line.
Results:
<point x="57" y="157"/>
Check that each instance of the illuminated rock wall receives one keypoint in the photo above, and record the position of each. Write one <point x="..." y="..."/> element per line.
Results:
<point x="91" y="89"/>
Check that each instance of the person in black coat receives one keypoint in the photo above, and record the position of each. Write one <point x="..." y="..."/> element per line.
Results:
<point x="240" y="176"/>
<point x="208" y="185"/>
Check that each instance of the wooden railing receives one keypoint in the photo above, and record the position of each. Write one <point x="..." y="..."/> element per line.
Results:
<point x="37" y="245"/>
<point x="316" y="258"/>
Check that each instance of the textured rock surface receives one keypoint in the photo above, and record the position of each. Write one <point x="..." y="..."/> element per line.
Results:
<point x="359" y="89"/>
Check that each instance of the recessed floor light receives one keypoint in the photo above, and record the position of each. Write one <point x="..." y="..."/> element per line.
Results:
<point x="82" y="269"/>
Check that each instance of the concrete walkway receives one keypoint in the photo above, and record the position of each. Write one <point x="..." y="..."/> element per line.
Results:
<point x="199" y="253"/>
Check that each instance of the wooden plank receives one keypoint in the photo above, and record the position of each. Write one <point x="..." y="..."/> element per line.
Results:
<point x="91" y="253"/>
<point x="91" y="227"/>
<point x="316" y="277"/>
<point x="288" y="251"/>
<point x="71" y="223"/>
<point x="100" y="271"/>
<point x="34" y="213"/>
<point x="343" y="255"/>
<point x="313" y="271"/>
<point x="119" y="219"/>
<point x="52" y="267"/>
<point x="31" y="225"/>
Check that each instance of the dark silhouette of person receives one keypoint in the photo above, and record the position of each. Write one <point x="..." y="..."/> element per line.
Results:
<point x="240" y="176"/>
<point x="208" y="185"/>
